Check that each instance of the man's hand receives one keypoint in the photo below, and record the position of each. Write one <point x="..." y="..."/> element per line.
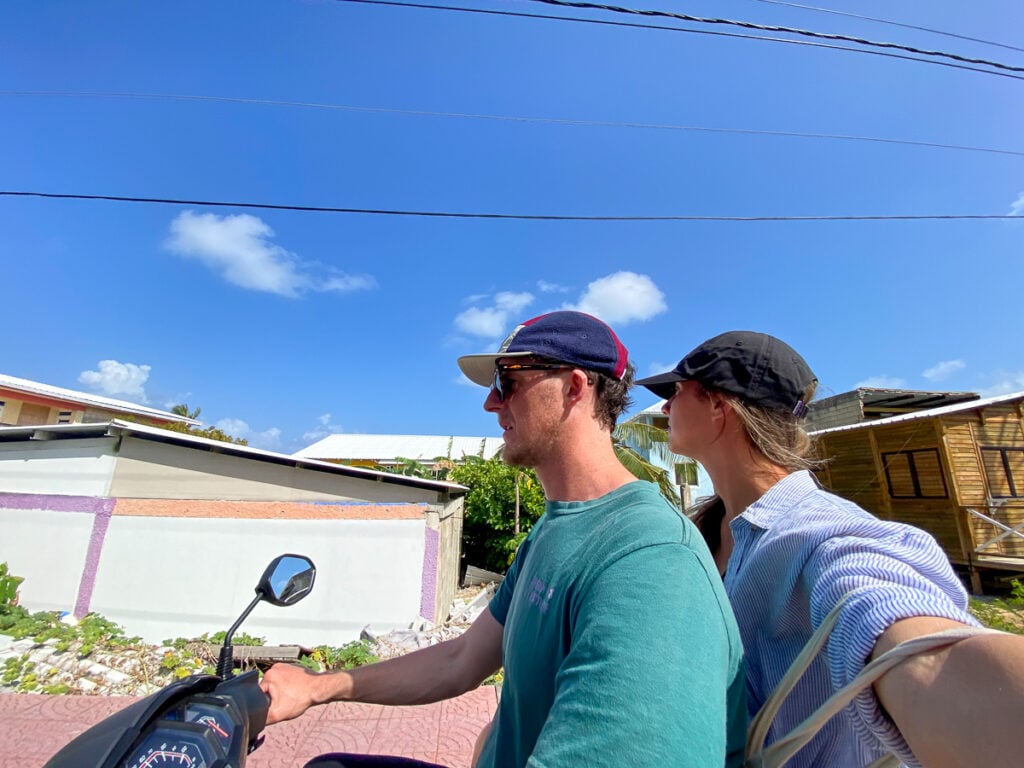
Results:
<point x="292" y="690"/>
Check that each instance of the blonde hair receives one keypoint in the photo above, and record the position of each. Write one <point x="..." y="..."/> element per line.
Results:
<point x="777" y="435"/>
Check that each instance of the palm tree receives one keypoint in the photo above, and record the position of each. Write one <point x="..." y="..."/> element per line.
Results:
<point x="182" y="409"/>
<point x="633" y="436"/>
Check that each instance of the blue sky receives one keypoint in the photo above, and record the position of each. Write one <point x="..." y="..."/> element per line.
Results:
<point x="286" y="326"/>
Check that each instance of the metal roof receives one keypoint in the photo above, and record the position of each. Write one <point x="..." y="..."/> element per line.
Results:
<point x="655" y="409"/>
<point x="927" y="413"/>
<point x="383" y="448"/>
<point x="900" y="400"/>
<point x="70" y="395"/>
<point x="116" y="428"/>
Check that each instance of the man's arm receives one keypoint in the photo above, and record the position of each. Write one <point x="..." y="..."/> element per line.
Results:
<point x="961" y="706"/>
<point x="431" y="674"/>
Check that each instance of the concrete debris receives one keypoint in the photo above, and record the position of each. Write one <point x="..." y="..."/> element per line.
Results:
<point x="143" y="670"/>
<point x="467" y="606"/>
<point x="133" y="672"/>
<point x="478" y="577"/>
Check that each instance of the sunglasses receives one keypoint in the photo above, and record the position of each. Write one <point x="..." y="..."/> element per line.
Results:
<point x="505" y="384"/>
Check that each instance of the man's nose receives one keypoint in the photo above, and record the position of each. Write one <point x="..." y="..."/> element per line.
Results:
<point x="492" y="403"/>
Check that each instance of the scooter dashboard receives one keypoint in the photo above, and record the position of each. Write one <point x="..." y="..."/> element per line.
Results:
<point x="204" y="731"/>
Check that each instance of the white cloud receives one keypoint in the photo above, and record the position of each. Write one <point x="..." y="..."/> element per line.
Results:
<point x="545" y="287"/>
<point x="1017" y="206"/>
<point x="493" y="321"/>
<point x="622" y="298"/>
<point x="653" y="369"/>
<point x="342" y="283"/>
<point x="240" y="249"/>
<point x="116" y="379"/>
<point x="944" y="370"/>
<point x="323" y="429"/>
<point x="1006" y="382"/>
<point x="881" y="382"/>
<point x="268" y="440"/>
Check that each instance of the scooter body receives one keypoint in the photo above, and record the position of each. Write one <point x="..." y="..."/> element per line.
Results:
<point x="202" y="721"/>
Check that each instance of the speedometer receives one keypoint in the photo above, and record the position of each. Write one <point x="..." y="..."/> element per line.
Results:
<point x="174" y="745"/>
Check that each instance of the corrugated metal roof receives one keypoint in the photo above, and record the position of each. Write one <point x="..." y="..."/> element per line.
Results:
<point x="115" y="427"/>
<point x="656" y="408"/>
<point x="926" y="414"/>
<point x="70" y="395"/>
<point x="351" y="447"/>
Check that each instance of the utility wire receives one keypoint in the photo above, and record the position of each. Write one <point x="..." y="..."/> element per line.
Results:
<point x="771" y="28"/>
<point x="892" y="23"/>
<point x="509" y="118"/>
<point x="505" y="216"/>
<point x="636" y="25"/>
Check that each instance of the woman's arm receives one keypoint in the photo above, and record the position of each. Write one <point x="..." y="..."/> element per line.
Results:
<point x="960" y="706"/>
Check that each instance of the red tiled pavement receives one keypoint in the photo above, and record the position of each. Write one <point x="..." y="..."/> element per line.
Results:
<point x="33" y="727"/>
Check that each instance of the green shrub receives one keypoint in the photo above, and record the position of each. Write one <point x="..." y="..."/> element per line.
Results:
<point x="1005" y="614"/>
<point x="217" y="638"/>
<point x="8" y="587"/>
<point x="489" y="538"/>
<point x="325" y="658"/>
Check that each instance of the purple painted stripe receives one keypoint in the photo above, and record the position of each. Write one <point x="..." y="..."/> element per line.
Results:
<point x="428" y="593"/>
<point x="55" y="503"/>
<point x="100" y="523"/>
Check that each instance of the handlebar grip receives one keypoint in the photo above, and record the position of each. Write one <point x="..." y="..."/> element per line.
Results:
<point x="252" y="701"/>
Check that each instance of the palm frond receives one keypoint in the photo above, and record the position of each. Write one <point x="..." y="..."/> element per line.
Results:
<point x="645" y="438"/>
<point x="645" y="470"/>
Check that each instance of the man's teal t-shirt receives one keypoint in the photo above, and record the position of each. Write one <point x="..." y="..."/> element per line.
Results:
<point x="620" y="648"/>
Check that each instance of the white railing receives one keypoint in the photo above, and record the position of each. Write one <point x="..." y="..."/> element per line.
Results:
<point x="1008" y="532"/>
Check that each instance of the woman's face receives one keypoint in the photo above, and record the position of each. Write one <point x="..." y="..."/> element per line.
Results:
<point x="691" y="425"/>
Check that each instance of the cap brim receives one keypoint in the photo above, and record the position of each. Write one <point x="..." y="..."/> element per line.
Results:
<point x="480" y="368"/>
<point x="663" y="385"/>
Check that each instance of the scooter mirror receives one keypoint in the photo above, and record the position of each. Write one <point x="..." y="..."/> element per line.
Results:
<point x="288" y="579"/>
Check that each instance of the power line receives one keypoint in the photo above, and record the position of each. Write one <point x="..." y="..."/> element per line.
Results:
<point x="502" y="216"/>
<point x="686" y="30"/>
<point x="510" y="118"/>
<point x="892" y="23"/>
<point x="772" y="28"/>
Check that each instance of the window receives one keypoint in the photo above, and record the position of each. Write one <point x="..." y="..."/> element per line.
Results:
<point x="915" y="474"/>
<point x="1004" y="468"/>
<point x="64" y="417"/>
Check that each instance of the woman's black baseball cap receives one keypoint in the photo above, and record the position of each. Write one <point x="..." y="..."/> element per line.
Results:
<point x="758" y="368"/>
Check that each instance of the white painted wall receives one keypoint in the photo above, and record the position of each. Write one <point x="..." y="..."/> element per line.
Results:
<point x="66" y="467"/>
<point x="167" y="577"/>
<point x="48" y="549"/>
<point x="163" y="578"/>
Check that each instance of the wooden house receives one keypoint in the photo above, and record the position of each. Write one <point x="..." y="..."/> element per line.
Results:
<point x="956" y="471"/>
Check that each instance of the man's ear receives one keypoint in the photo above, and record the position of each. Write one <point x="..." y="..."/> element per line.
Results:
<point x="578" y="383"/>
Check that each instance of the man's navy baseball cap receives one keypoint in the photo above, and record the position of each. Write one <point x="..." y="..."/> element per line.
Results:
<point x="758" y="368"/>
<point x="566" y="336"/>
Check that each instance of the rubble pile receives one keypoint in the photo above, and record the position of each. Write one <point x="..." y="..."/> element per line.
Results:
<point x="139" y="671"/>
<point x="132" y="672"/>
<point x="469" y="603"/>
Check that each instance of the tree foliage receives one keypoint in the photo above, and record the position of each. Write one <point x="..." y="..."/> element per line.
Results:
<point x="632" y="439"/>
<point x="210" y="433"/>
<point x="489" y="538"/>
<point x="182" y="409"/>
<point x="489" y="535"/>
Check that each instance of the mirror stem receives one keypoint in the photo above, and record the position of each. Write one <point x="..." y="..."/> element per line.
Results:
<point x="226" y="661"/>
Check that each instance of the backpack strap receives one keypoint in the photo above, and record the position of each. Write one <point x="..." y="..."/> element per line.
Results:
<point x="783" y="749"/>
